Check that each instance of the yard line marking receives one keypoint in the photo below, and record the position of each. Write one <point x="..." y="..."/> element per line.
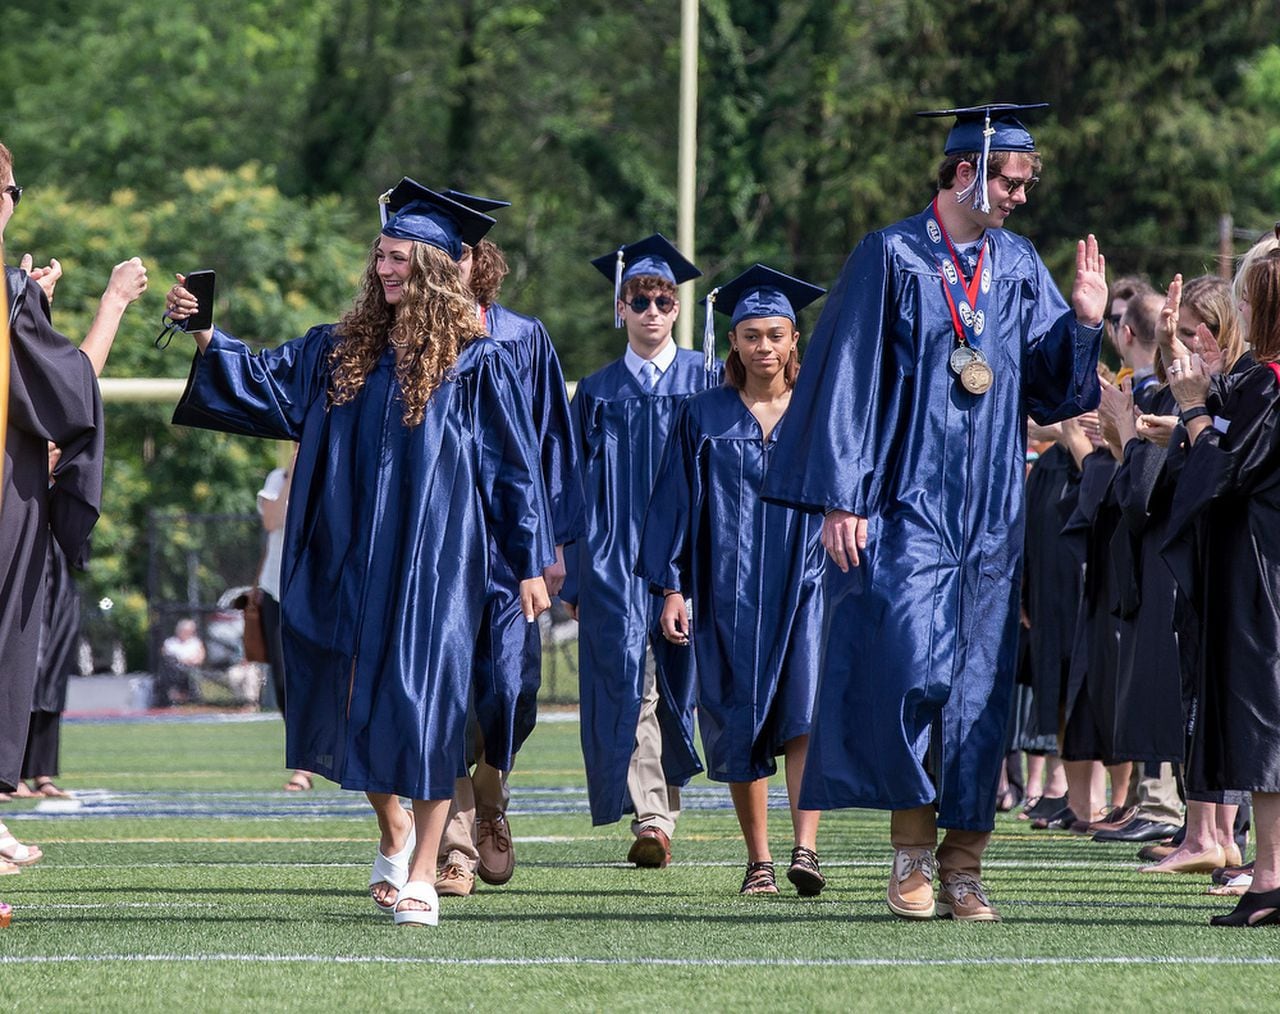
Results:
<point x="872" y="864"/>
<point x="119" y="904"/>
<point x="347" y="959"/>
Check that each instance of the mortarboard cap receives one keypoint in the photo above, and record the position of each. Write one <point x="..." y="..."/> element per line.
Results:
<point x="482" y="204"/>
<point x="411" y="211"/>
<point x="984" y="129"/>
<point x="654" y="255"/>
<point x="760" y="291"/>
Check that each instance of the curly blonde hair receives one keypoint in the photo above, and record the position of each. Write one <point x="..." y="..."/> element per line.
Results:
<point x="433" y="321"/>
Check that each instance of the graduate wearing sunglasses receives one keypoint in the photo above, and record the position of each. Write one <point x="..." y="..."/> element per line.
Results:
<point x="636" y="689"/>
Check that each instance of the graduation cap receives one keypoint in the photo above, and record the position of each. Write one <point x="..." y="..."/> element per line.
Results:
<point x="984" y="129"/>
<point x="411" y="211"/>
<point x="484" y="205"/>
<point x="760" y="291"/>
<point x="654" y="255"/>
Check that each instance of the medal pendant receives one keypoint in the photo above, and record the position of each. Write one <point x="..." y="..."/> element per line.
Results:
<point x="961" y="357"/>
<point x="976" y="376"/>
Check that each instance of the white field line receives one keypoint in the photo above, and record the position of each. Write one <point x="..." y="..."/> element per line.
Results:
<point x="1006" y="864"/>
<point x="75" y="907"/>
<point x="346" y="959"/>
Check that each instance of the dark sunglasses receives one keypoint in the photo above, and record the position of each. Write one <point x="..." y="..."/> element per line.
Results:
<point x="15" y="192"/>
<point x="1013" y="184"/>
<point x="639" y="304"/>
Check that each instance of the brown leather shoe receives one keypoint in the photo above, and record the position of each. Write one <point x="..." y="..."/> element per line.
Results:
<point x="964" y="899"/>
<point x="651" y="850"/>
<point x="910" y="893"/>
<point x="497" y="852"/>
<point x="455" y="880"/>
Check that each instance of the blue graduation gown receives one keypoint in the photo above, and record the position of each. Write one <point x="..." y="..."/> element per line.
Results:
<point x="509" y="655"/>
<point x="754" y="572"/>
<point x="385" y="563"/>
<point x="620" y="430"/>
<point x="921" y="640"/>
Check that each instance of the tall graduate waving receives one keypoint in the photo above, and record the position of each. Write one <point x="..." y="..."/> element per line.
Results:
<point x="416" y="445"/>
<point x="907" y="430"/>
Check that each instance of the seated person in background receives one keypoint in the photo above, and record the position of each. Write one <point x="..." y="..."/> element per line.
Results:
<point x="182" y="655"/>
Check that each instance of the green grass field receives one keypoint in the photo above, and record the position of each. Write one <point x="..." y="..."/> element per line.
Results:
<point x="197" y="883"/>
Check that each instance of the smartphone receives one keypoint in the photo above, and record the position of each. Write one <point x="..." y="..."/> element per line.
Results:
<point x="200" y="285"/>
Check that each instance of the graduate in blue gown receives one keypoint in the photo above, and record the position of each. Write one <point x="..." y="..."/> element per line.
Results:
<point x="637" y="743"/>
<point x="509" y="653"/>
<point x="943" y="332"/>
<point x="752" y="570"/>
<point x="415" y="446"/>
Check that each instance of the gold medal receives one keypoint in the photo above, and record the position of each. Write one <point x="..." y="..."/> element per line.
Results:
<point x="976" y="376"/>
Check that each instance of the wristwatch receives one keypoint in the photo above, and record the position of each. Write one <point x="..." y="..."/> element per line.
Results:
<point x="1186" y="415"/>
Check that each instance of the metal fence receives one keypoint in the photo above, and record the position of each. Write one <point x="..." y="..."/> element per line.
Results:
<point x="199" y="563"/>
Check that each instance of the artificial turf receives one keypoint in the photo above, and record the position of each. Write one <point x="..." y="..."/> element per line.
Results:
<point x="202" y="885"/>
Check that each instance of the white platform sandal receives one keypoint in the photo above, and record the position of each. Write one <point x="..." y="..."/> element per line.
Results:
<point x="393" y="870"/>
<point x="418" y="890"/>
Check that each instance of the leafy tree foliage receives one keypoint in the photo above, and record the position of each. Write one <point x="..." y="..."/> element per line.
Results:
<point x="254" y="135"/>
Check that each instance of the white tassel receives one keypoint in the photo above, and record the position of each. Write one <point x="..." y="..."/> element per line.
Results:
<point x="981" y="201"/>
<point x="383" y="201"/>
<point x="617" y="286"/>
<point x="709" y="333"/>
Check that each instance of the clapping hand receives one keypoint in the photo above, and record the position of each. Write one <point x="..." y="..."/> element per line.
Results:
<point x="1171" y="346"/>
<point x="1157" y="429"/>
<point x="1189" y="381"/>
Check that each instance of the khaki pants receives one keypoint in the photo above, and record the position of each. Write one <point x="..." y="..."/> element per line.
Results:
<point x="1156" y="798"/>
<point x="960" y="851"/>
<point x="657" y="804"/>
<point x="483" y="795"/>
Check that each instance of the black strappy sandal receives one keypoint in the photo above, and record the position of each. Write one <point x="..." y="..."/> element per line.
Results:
<point x="805" y="872"/>
<point x="1263" y="904"/>
<point x="760" y="879"/>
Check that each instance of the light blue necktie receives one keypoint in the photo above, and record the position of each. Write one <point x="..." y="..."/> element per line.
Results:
<point x="650" y="372"/>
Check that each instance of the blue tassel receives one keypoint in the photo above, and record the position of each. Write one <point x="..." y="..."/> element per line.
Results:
<point x="709" y="333"/>
<point x="617" y="286"/>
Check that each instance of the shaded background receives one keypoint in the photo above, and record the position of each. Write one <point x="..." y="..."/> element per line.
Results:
<point x="253" y="136"/>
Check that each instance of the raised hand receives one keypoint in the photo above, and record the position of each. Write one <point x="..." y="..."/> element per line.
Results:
<point x="1089" y="292"/>
<point x="46" y="277"/>
<point x="1171" y="346"/>
<point x="128" y="281"/>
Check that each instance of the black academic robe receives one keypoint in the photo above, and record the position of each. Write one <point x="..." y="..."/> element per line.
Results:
<point x="53" y="396"/>
<point x="59" y="634"/>
<point x="1090" y="698"/>
<point x="1149" y="716"/>
<point x="1052" y="581"/>
<point x="1226" y="509"/>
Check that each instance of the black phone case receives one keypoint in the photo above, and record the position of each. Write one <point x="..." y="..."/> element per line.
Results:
<point x="200" y="284"/>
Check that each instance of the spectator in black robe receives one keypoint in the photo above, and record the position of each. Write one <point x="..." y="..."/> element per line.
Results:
<point x="52" y="398"/>
<point x="1227" y="500"/>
